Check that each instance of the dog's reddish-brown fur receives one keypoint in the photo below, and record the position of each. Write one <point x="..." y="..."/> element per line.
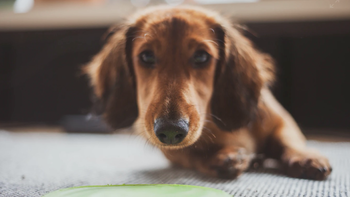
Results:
<point x="231" y="112"/>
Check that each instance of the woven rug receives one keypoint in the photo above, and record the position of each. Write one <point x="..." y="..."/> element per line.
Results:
<point x="33" y="164"/>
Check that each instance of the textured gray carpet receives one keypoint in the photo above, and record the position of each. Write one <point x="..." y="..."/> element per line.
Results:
<point x="32" y="164"/>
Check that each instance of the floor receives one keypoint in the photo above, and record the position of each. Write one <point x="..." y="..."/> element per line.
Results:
<point x="36" y="161"/>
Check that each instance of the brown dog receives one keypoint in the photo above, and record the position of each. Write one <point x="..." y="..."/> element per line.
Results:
<point x="195" y="87"/>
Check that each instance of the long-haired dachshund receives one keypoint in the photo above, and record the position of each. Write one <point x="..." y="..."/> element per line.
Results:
<point x="194" y="86"/>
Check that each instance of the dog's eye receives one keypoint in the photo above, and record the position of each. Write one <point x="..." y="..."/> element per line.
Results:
<point x="200" y="57"/>
<point x="148" y="57"/>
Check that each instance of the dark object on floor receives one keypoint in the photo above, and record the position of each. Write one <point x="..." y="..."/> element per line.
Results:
<point x="84" y="124"/>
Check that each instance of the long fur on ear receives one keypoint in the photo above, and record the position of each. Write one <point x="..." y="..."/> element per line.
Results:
<point x="240" y="75"/>
<point x="112" y="78"/>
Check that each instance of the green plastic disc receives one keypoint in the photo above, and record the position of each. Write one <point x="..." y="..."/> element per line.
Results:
<point x="157" y="190"/>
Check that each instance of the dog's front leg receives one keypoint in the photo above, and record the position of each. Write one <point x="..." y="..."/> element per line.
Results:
<point x="298" y="160"/>
<point x="287" y="144"/>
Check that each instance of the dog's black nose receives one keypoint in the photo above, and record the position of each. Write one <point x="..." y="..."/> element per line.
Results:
<point x="170" y="131"/>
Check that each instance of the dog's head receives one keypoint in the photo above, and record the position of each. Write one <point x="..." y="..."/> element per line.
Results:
<point x="174" y="69"/>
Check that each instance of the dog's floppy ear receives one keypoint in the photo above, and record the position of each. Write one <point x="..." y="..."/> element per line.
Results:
<point x="112" y="78"/>
<point x="240" y="75"/>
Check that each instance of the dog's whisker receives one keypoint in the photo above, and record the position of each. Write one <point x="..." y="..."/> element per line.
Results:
<point x="208" y="130"/>
<point x="209" y="121"/>
<point x="147" y="34"/>
<point x="138" y="37"/>
<point x="212" y="41"/>
<point x="214" y="116"/>
<point x="217" y="118"/>
<point x="211" y="29"/>
<point x="211" y="139"/>
<point x="208" y="135"/>
<point x="205" y="140"/>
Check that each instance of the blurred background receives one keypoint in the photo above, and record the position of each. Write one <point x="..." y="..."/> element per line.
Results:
<point x="43" y="44"/>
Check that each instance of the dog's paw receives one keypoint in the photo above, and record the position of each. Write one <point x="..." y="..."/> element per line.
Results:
<point x="229" y="163"/>
<point x="307" y="165"/>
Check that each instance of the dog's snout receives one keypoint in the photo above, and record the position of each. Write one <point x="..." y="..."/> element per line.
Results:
<point x="170" y="131"/>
